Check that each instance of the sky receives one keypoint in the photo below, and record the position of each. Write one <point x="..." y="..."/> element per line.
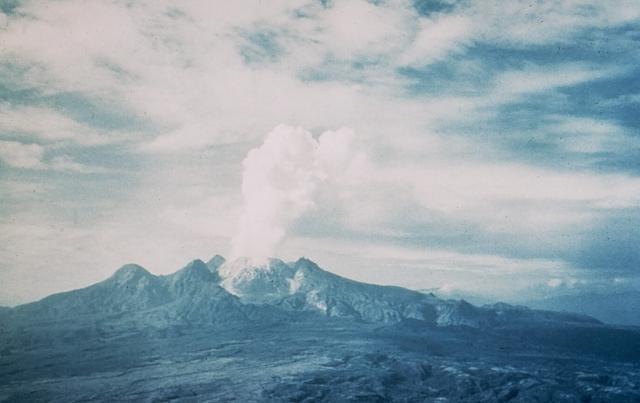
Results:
<point x="490" y="147"/>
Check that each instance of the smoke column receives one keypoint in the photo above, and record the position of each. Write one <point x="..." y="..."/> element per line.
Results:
<point x="279" y="183"/>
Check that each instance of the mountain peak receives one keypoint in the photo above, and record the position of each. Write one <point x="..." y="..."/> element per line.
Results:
<point x="129" y="272"/>
<point x="306" y="262"/>
<point x="215" y="262"/>
<point x="192" y="278"/>
<point x="194" y="270"/>
<point x="256" y="280"/>
<point x="232" y="268"/>
<point x="196" y="263"/>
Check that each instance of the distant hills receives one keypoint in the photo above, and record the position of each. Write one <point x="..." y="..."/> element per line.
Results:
<point x="616" y="307"/>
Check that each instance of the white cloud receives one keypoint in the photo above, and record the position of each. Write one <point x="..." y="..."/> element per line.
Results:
<point x="535" y="79"/>
<point x="436" y="39"/>
<point x="3" y="20"/>
<point x="523" y="22"/>
<point x="588" y="135"/>
<point x="185" y="74"/>
<point x="66" y="163"/>
<point x="356" y="28"/>
<point x="514" y="197"/>
<point x="19" y="155"/>
<point x="47" y="125"/>
<point x="31" y="156"/>
<point x="500" y="198"/>
<point x="17" y="190"/>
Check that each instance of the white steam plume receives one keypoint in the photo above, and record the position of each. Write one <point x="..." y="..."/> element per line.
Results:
<point x="280" y="181"/>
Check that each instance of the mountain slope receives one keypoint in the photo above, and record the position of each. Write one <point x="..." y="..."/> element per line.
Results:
<point x="303" y="286"/>
<point x="134" y="296"/>
<point x="130" y="289"/>
<point x="215" y="262"/>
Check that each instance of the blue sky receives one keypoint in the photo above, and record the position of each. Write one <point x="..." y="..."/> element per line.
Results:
<point x="492" y="146"/>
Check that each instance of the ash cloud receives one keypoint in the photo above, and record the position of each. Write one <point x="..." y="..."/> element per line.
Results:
<point x="280" y="181"/>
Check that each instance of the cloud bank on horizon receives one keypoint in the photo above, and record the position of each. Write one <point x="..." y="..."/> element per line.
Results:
<point x="496" y="145"/>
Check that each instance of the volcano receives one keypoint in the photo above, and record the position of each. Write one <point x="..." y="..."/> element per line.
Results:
<point x="292" y="331"/>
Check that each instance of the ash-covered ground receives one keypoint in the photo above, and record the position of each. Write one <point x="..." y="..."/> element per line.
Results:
<point x="325" y="360"/>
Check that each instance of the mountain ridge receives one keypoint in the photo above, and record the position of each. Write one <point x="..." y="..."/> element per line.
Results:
<point x="616" y="307"/>
<point x="239" y="291"/>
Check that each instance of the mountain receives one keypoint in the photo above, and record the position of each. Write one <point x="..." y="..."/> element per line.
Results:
<point x="130" y="289"/>
<point x="214" y="263"/>
<point x="134" y="297"/>
<point x="616" y="308"/>
<point x="304" y="286"/>
<point x="291" y="331"/>
<point x="221" y="292"/>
